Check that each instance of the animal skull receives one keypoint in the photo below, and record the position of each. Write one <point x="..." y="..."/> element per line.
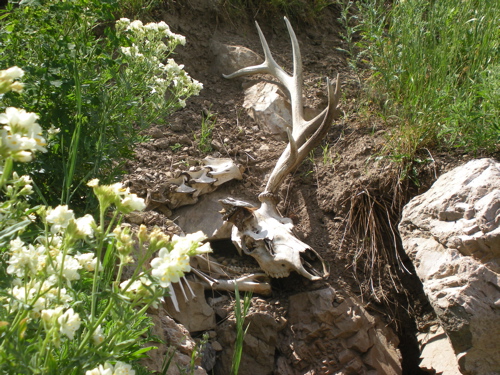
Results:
<point x="266" y="236"/>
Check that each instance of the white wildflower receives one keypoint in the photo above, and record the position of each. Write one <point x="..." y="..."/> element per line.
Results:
<point x="163" y="26"/>
<point x="60" y="217"/>
<point x="107" y="369"/>
<point x="126" y="51"/>
<point x="98" y="336"/>
<point x="69" y="323"/>
<point x="53" y="130"/>
<point x="131" y="202"/>
<point x="85" y="225"/>
<point x="135" y="25"/>
<point x="17" y="86"/>
<point x="49" y="316"/>
<point x="28" y="295"/>
<point x="152" y="26"/>
<point x="12" y="73"/>
<point x="70" y="267"/>
<point x="93" y="183"/>
<point x="122" y="368"/>
<point x="169" y="267"/>
<point x="22" y="259"/>
<point x="18" y="120"/>
<point x="88" y="261"/>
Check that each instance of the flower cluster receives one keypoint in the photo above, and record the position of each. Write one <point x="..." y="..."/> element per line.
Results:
<point x="151" y="45"/>
<point x="116" y="194"/>
<point x="150" y="30"/>
<point x="21" y="135"/>
<point x="173" y="260"/>
<point x="120" y="368"/>
<point x="67" y="322"/>
<point x="8" y="79"/>
<point x="38" y="295"/>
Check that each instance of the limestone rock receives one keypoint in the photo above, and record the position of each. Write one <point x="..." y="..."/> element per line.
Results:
<point x="229" y="59"/>
<point x="452" y="235"/>
<point x="437" y="353"/>
<point x="177" y="342"/>
<point x="329" y="336"/>
<point x="190" y="220"/>
<point x="267" y="106"/>
<point x="195" y="314"/>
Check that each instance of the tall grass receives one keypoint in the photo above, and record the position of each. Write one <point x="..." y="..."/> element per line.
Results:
<point x="240" y="312"/>
<point x="436" y="68"/>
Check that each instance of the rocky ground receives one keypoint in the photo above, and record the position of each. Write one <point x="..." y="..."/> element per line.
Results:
<point x="340" y="190"/>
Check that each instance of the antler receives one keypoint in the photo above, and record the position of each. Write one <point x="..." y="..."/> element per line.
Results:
<point x="304" y="135"/>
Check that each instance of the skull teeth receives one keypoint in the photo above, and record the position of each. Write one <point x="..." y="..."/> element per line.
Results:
<point x="278" y="275"/>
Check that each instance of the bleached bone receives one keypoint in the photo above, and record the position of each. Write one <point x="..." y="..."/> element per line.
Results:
<point x="210" y="273"/>
<point x="262" y="232"/>
<point x="223" y="170"/>
<point x="186" y="188"/>
<point x="256" y="283"/>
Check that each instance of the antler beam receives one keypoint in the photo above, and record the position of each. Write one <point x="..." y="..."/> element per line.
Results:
<point x="304" y="135"/>
<point x="262" y="233"/>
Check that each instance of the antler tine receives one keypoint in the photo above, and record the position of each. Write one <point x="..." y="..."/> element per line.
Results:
<point x="296" y="150"/>
<point x="292" y="83"/>
<point x="269" y="66"/>
<point x="304" y="135"/>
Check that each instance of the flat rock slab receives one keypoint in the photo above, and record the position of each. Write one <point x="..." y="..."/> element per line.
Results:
<point x="452" y="235"/>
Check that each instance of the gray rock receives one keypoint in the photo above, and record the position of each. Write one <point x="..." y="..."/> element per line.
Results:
<point x="332" y="336"/>
<point x="194" y="314"/>
<point x="451" y="233"/>
<point x="229" y="59"/>
<point x="437" y="353"/>
<point x="269" y="108"/>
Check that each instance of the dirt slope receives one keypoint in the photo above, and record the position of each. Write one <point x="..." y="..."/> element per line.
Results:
<point x="341" y="178"/>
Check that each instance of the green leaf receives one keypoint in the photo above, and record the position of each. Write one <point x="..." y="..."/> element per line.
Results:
<point x="13" y="229"/>
<point x="141" y="352"/>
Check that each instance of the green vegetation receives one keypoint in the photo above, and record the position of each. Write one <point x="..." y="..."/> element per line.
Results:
<point x="95" y="83"/>
<point x="240" y="313"/>
<point x="208" y="122"/>
<point x="436" y="70"/>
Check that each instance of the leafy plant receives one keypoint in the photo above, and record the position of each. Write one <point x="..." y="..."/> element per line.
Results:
<point x="207" y="126"/>
<point x="97" y="85"/>
<point x="240" y="313"/>
<point x="349" y="19"/>
<point x="175" y="147"/>
<point x="64" y="304"/>
<point x="327" y="157"/>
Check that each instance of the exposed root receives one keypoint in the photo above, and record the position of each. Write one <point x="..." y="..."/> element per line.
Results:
<point x="372" y="220"/>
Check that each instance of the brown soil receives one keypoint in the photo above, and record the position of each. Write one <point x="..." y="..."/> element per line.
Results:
<point x="324" y="190"/>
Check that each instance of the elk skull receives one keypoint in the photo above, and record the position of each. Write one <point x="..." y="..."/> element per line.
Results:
<point x="262" y="232"/>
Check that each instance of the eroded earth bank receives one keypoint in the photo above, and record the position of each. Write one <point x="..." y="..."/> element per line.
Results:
<point x="372" y="314"/>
